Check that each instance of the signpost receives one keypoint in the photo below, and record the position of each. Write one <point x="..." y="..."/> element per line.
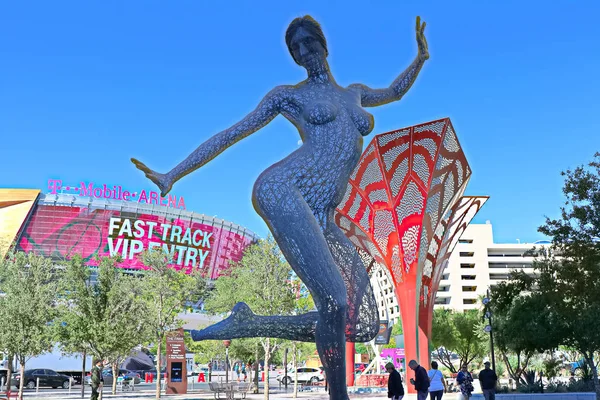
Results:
<point x="176" y="365"/>
<point x="385" y="332"/>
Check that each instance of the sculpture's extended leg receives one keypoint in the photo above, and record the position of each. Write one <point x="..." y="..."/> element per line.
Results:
<point x="242" y="323"/>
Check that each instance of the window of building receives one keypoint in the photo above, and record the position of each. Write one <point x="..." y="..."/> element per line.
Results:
<point x="467" y="265"/>
<point x="466" y="254"/>
<point x="442" y="300"/>
<point x="465" y="241"/>
<point x="469" y="301"/>
<point x="468" y="277"/>
<point x="495" y="264"/>
<point x="445" y="277"/>
<point x="501" y="253"/>
<point x="444" y="288"/>
<point x="469" y="288"/>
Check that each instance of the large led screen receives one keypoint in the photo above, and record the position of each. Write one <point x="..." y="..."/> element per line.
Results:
<point x="63" y="231"/>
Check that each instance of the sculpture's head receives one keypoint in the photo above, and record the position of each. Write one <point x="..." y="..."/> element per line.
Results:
<point x="306" y="42"/>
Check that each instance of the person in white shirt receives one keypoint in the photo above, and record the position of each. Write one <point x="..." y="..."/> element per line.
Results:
<point x="437" y="383"/>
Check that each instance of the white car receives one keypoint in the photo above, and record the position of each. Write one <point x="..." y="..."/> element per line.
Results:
<point x="305" y="374"/>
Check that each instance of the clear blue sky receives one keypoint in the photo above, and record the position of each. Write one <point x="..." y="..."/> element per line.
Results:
<point x="85" y="85"/>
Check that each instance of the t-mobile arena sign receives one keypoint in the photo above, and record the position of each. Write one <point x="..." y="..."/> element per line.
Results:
<point x="88" y="189"/>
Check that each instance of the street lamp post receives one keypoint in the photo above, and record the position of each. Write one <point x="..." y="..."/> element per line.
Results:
<point x="226" y="343"/>
<point x="285" y="380"/>
<point x="488" y="328"/>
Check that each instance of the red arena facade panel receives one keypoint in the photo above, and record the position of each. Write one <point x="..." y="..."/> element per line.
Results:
<point x="405" y="210"/>
<point x="62" y="225"/>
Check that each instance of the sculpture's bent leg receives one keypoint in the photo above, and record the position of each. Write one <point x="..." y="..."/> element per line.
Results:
<point x="362" y="318"/>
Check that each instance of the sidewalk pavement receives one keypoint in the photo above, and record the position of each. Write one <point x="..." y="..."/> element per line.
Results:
<point x="208" y="396"/>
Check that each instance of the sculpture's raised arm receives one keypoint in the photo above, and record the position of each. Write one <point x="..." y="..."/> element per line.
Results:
<point x="376" y="97"/>
<point x="264" y="113"/>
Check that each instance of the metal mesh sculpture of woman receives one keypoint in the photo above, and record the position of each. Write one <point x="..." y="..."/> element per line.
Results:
<point x="298" y="195"/>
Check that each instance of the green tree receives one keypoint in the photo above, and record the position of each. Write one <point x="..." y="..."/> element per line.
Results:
<point x="76" y="334"/>
<point x="562" y="299"/>
<point x="28" y="307"/>
<point x="457" y="332"/>
<point x="101" y="318"/>
<point x="166" y="293"/>
<point x="396" y="330"/>
<point x="523" y="324"/>
<point x="261" y="279"/>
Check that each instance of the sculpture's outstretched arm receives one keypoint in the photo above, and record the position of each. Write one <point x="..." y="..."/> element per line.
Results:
<point x="376" y="97"/>
<point x="264" y="113"/>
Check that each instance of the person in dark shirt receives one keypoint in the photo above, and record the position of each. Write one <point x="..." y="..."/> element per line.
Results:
<point x="421" y="380"/>
<point x="488" y="380"/>
<point x="97" y="379"/>
<point x="395" y="388"/>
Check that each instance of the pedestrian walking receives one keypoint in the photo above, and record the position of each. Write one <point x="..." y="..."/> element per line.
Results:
<point x="488" y="380"/>
<point x="395" y="387"/>
<point x="420" y="381"/>
<point x="465" y="383"/>
<point x="236" y="369"/>
<point x="96" y="379"/>
<point x="244" y="372"/>
<point x="437" y="383"/>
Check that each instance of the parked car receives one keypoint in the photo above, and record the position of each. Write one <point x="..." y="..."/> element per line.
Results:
<point x="47" y="378"/>
<point x="108" y="378"/>
<point x="305" y="374"/>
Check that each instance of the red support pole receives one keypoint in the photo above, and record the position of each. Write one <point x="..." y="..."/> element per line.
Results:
<point x="350" y="352"/>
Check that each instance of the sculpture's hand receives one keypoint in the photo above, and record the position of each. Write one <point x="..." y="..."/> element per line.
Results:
<point x="421" y="41"/>
<point x="163" y="181"/>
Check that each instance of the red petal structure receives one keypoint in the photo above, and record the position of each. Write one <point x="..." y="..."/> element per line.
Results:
<point x="404" y="209"/>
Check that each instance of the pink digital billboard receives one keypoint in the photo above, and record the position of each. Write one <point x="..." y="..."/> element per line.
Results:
<point x="62" y="231"/>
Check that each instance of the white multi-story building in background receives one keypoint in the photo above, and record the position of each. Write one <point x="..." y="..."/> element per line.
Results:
<point x="385" y="294"/>
<point x="476" y="264"/>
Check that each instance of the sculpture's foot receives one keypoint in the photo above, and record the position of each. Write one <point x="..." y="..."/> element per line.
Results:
<point x="234" y="326"/>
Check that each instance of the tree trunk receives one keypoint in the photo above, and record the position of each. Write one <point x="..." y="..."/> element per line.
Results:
<point x="445" y="359"/>
<point x="266" y="368"/>
<point x="115" y="373"/>
<point x="256" y="364"/>
<point x="83" y="375"/>
<point x="590" y="362"/>
<point x="22" y="383"/>
<point x="294" y="350"/>
<point x="158" y="373"/>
